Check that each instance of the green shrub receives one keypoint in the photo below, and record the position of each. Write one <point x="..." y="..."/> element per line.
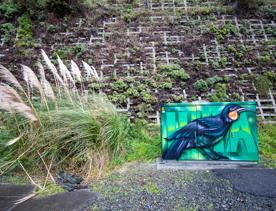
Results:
<point x="147" y="97"/>
<point x="39" y="9"/>
<point x="129" y="14"/>
<point x="70" y="51"/>
<point x="220" y="94"/>
<point x="51" y="28"/>
<point x="235" y="97"/>
<point x="177" y="98"/>
<point x="36" y="9"/>
<point x="201" y="85"/>
<point x="132" y="91"/>
<point x="166" y="83"/>
<point x="264" y="59"/>
<point x="223" y="31"/>
<point x="25" y="31"/>
<point x="8" y="31"/>
<point x="118" y="98"/>
<point x="9" y="9"/>
<point x="213" y="80"/>
<point x="119" y="85"/>
<point x="267" y="11"/>
<point x="231" y="49"/>
<point x="95" y="86"/>
<point x="221" y="63"/>
<point x="174" y="71"/>
<point x="271" y="76"/>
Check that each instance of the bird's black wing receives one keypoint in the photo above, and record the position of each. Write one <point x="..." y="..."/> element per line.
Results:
<point x="182" y="138"/>
<point x="209" y="123"/>
<point x="176" y="148"/>
<point x="187" y="131"/>
<point x="210" y="130"/>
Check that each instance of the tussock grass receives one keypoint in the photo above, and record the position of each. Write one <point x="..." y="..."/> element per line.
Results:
<point x="73" y="130"/>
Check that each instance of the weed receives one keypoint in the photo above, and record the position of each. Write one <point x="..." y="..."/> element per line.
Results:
<point x="50" y="189"/>
<point x="144" y="109"/>
<point x="152" y="83"/>
<point x="151" y="188"/>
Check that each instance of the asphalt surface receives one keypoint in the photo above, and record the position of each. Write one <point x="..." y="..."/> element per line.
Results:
<point x="258" y="182"/>
<point x="68" y="201"/>
<point x="10" y="193"/>
<point x="141" y="186"/>
<point x="75" y="201"/>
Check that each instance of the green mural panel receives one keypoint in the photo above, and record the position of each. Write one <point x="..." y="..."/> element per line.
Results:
<point x="209" y="131"/>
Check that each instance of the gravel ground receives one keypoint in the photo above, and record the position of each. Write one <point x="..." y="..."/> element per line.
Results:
<point x="142" y="187"/>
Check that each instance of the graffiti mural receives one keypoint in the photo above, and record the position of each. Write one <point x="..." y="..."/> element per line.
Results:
<point x="209" y="131"/>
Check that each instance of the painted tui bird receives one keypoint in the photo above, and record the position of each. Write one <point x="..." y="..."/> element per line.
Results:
<point x="203" y="134"/>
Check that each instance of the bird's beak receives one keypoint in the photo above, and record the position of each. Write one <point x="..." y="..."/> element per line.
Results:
<point x="239" y="110"/>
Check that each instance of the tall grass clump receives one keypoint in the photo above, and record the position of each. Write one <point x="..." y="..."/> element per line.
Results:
<point x="46" y="127"/>
<point x="267" y="144"/>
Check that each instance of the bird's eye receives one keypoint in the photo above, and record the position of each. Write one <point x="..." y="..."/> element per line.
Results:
<point x="233" y="115"/>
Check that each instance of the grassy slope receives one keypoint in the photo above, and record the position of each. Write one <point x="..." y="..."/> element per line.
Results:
<point x="267" y="145"/>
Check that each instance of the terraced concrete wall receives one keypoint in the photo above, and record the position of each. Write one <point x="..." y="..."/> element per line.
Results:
<point x="170" y="32"/>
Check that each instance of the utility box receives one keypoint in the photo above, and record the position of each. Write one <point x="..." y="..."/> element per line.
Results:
<point x="209" y="131"/>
